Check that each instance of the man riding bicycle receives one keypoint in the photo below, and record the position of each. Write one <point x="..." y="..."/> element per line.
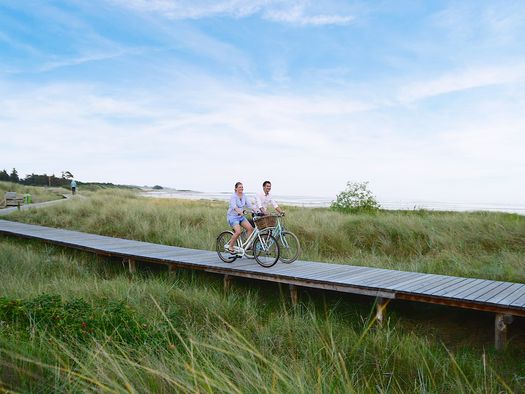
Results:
<point x="263" y="199"/>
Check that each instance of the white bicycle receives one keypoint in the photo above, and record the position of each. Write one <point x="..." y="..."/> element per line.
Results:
<point x="260" y="245"/>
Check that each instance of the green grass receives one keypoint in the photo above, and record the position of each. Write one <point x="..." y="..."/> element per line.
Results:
<point x="38" y="194"/>
<point x="71" y="322"/>
<point x="482" y="245"/>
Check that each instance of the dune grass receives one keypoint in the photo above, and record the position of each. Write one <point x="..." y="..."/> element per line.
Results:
<point x="482" y="245"/>
<point x="72" y="323"/>
<point x="38" y="194"/>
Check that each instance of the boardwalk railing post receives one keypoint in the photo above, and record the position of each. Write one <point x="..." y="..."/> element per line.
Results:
<point x="132" y="265"/>
<point x="227" y="283"/>
<point x="500" y="330"/>
<point x="294" y="295"/>
<point x="381" y="304"/>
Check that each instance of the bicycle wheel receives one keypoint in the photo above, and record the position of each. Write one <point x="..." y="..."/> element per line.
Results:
<point x="266" y="250"/>
<point x="289" y="247"/>
<point x="221" y="246"/>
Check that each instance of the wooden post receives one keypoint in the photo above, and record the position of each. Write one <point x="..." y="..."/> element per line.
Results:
<point x="172" y="269"/>
<point x="500" y="330"/>
<point x="294" y="295"/>
<point x="381" y="304"/>
<point x="227" y="283"/>
<point x="132" y="265"/>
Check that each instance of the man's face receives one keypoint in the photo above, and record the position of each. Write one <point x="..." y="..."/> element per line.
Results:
<point x="267" y="188"/>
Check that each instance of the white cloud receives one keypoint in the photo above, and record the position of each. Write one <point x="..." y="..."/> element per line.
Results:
<point x="463" y="79"/>
<point x="209" y="136"/>
<point x="293" y="12"/>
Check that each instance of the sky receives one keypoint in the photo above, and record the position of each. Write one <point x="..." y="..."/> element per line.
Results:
<point x="425" y="100"/>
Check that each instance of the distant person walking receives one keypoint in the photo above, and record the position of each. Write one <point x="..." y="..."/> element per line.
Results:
<point x="73" y="187"/>
<point x="235" y="215"/>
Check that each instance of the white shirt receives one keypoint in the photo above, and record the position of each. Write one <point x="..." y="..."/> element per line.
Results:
<point x="262" y="201"/>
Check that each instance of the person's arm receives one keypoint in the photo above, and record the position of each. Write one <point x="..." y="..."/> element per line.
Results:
<point x="276" y="207"/>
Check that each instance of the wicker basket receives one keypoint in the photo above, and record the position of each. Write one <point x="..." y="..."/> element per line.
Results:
<point x="265" y="222"/>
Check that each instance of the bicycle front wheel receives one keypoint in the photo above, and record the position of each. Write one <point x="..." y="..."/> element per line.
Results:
<point x="221" y="246"/>
<point x="289" y="247"/>
<point x="266" y="250"/>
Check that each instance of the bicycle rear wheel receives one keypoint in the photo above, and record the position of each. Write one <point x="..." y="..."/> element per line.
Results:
<point x="221" y="246"/>
<point x="266" y="250"/>
<point x="289" y="247"/>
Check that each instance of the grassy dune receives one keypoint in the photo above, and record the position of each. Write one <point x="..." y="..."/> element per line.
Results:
<point x="71" y="322"/>
<point x="38" y="194"/>
<point x="482" y="245"/>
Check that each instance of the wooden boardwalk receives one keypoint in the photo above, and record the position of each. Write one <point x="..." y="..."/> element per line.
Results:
<point x="505" y="299"/>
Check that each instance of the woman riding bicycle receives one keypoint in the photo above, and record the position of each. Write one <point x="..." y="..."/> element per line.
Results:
<point x="235" y="215"/>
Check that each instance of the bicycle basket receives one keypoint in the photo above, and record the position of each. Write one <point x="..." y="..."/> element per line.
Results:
<point x="265" y="222"/>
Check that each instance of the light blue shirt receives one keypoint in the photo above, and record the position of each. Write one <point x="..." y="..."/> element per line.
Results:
<point x="237" y="202"/>
<point x="73" y="184"/>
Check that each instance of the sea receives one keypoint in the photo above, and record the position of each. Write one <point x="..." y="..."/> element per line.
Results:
<point x="322" y="202"/>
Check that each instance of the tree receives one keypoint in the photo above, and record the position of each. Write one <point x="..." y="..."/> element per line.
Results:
<point x="14" y="176"/>
<point x="355" y="198"/>
<point x="67" y="175"/>
<point x="4" y="176"/>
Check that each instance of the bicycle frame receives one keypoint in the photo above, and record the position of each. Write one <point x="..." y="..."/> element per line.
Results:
<point x="240" y="251"/>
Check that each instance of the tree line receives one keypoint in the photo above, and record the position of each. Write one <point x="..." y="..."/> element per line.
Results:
<point x="37" y="179"/>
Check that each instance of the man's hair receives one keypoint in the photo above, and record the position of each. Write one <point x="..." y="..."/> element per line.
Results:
<point x="265" y="182"/>
<point x="237" y="184"/>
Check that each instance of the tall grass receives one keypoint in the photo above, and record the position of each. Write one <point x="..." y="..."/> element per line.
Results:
<point x="73" y="323"/>
<point x="482" y="245"/>
<point x="38" y="194"/>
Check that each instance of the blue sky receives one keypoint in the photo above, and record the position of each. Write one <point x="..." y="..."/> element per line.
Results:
<point x="425" y="100"/>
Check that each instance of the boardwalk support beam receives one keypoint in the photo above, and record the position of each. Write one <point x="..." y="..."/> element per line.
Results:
<point x="381" y="304"/>
<point x="294" y="295"/>
<point x="227" y="283"/>
<point x="500" y="330"/>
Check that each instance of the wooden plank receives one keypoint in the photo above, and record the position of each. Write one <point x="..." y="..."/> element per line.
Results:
<point x="425" y="281"/>
<point x="507" y="293"/>
<point x="343" y="275"/>
<point x="468" y="284"/>
<point x="447" y="289"/>
<point x="494" y="292"/>
<point x="360" y="277"/>
<point x="481" y="286"/>
<point x="482" y="290"/>
<point x="316" y="273"/>
<point x="519" y="301"/>
<point x="507" y="300"/>
<point x="388" y="278"/>
<point x="401" y="277"/>
<point x="418" y="277"/>
<point x="442" y="286"/>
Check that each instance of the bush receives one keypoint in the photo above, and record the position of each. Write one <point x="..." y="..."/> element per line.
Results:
<point x="355" y="198"/>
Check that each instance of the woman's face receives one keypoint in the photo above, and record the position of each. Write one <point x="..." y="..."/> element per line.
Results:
<point x="239" y="189"/>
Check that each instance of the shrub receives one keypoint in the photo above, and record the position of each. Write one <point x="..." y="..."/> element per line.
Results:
<point x="355" y="198"/>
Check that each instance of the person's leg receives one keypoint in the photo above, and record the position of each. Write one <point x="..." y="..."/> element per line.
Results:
<point x="236" y="233"/>
<point x="246" y="224"/>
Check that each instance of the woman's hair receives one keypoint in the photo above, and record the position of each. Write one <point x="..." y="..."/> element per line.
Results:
<point x="237" y="184"/>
